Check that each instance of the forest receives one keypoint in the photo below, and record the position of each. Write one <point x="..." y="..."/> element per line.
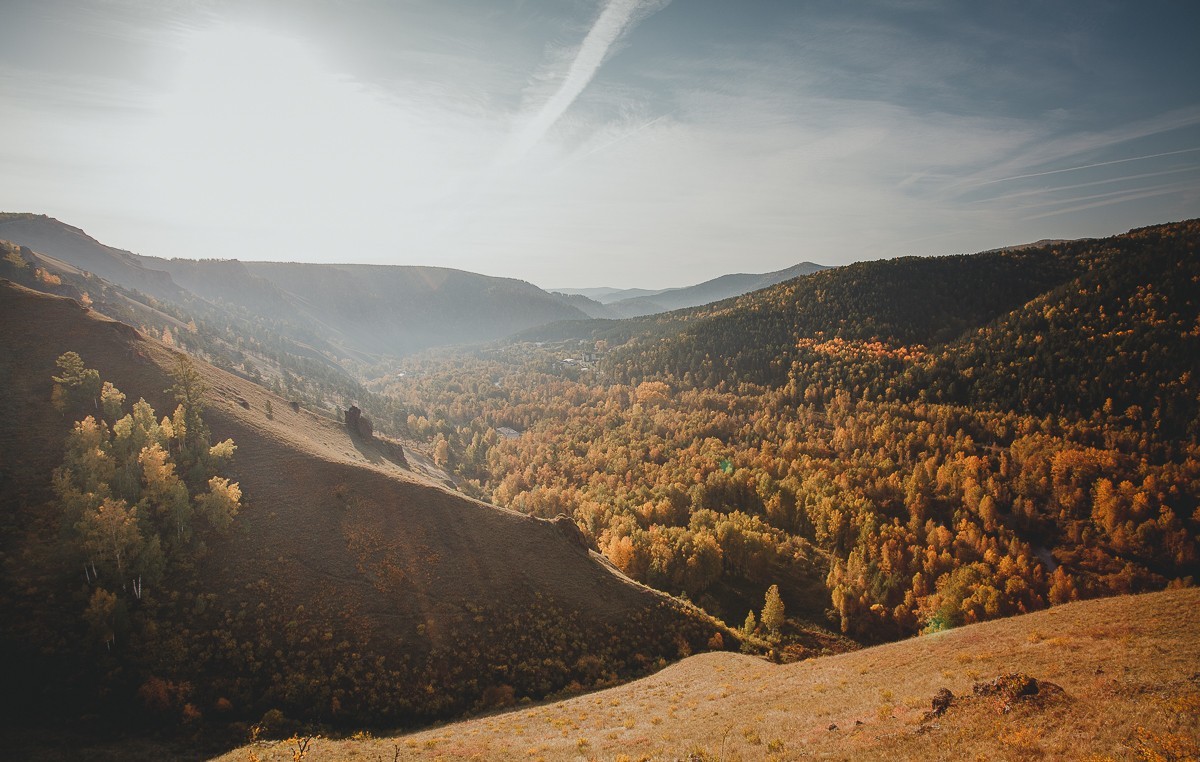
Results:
<point x="901" y="446"/>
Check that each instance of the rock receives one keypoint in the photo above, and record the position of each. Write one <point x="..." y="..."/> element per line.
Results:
<point x="942" y="702"/>
<point x="833" y="726"/>
<point x="358" y="423"/>
<point x="567" y="526"/>
<point x="295" y="406"/>
<point x="1015" y="688"/>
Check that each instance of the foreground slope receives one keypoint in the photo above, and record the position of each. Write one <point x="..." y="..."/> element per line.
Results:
<point x="1117" y="680"/>
<point x="348" y="591"/>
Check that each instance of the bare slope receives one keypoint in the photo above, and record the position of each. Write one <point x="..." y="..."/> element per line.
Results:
<point x="1117" y="679"/>
<point x="350" y="590"/>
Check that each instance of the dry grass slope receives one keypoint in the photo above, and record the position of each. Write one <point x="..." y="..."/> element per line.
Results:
<point x="1129" y="669"/>
<point x="347" y="577"/>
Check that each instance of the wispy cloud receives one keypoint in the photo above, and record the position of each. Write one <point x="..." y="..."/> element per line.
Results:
<point x="617" y="18"/>
<point x="1091" y="166"/>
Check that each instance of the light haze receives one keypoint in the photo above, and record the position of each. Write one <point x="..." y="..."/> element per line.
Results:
<point x="616" y="143"/>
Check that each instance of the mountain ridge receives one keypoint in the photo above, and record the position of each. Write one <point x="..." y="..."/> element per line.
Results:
<point x="356" y="304"/>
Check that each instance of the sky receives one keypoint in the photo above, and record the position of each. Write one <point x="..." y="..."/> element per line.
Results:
<point x="583" y="143"/>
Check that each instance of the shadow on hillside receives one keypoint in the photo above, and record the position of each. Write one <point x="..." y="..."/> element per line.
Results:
<point x="378" y="451"/>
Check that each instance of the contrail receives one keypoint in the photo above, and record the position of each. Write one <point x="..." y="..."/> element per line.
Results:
<point x="1088" y="166"/>
<point x="616" y="18"/>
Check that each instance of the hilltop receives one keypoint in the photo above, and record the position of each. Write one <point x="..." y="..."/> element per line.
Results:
<point x="351" y="590"/>
<point x="1115" y="679"/>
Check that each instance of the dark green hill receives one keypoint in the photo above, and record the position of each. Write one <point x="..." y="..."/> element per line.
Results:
<point x="1125" y="332"/>
<point x="909" y="301"/>
<point x="1056" y="328"/>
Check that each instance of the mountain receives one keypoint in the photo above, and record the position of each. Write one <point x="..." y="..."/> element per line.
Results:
<point x="1042" y="329"/>
<point x="371" y="309"/>
<point x="73" y="246"/>
<point x="709" y="291"/>
<point x="1082" y="681"/>
<point x="608" y="303"/>
<point x="606" y="294"/>
<point x="903" y="446"/>
<point x="588" y="306"/>
<point x="349" y="590"/>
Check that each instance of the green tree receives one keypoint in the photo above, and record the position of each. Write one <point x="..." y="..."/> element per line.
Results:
<point x="188" y="390"/>
<point x="77" y="385"/>
<point x="750" y="625"/>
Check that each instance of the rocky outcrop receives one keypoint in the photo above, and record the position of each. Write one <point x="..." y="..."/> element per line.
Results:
<point x="358" y="424"/>
<point x="569" y="529"/>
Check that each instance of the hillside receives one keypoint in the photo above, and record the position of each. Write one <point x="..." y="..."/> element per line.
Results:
<point x="77" y="248"/>
<point x="1116" y="679"/>
<point x="914" y="300"/>
<point x="378" y="308"/>
<point x="607" y="294"/>
<point x="350" y="590"/>
<point x="900" y="446"/>
<point x="371" y="309"/>
<point x="1039" y="328"/>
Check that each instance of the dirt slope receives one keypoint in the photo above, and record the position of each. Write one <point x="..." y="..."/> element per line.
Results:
<point x="1128" y="669"/>
<point x="350" y="589"/>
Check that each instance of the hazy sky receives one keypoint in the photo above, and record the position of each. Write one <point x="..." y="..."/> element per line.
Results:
<point x="599" y="142"/>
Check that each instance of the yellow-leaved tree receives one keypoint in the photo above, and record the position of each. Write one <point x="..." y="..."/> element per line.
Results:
<point x="133" y="489"/>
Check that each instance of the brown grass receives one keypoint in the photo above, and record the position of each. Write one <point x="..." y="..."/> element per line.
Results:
<point x="1129" y="668"/>
<point x="364" y="551"/>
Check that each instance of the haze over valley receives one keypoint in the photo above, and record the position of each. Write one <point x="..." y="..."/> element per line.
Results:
<point x="613" y="380"/>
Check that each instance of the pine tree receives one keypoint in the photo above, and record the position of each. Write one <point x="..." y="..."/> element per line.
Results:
<point x="78" y="385"/>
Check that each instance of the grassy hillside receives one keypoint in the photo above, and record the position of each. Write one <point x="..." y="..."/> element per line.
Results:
<point x="1116" y="680"/>
<point x="348" y="591"/>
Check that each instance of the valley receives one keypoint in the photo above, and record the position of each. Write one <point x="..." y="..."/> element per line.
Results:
<point x="906" y="447"/>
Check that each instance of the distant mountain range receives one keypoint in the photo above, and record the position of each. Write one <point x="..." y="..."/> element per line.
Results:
<point x="374" y="309"/>
<point x="636" y="302"/>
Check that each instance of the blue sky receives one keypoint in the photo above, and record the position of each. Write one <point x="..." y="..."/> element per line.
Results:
<point x="570" y="143"/>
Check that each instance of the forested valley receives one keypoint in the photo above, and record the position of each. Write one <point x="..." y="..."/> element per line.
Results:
<point x="901" y="446"/>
